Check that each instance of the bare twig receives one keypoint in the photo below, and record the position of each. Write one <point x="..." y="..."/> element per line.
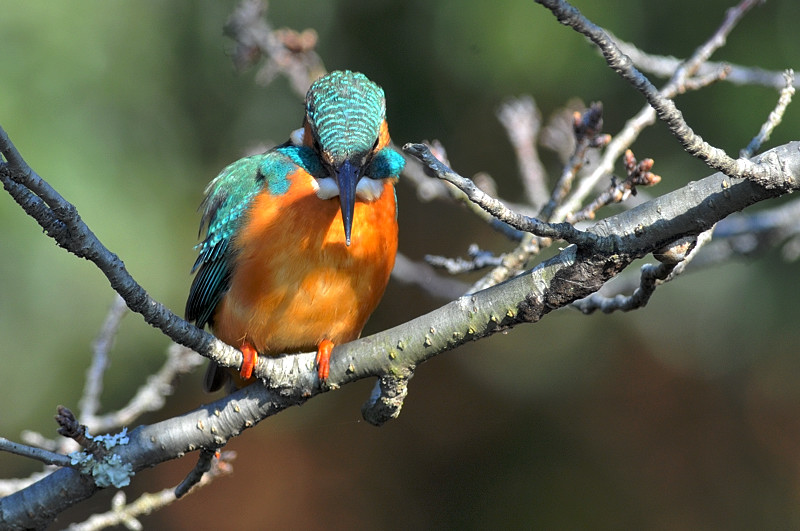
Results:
<point x="71" y="428"/>
<point x="60" y="220"/>
<point x="46" y="457"/>
<point x="587" y="127"/>
<point x="665" y="66"/>
<point x="584" y="132"/>
<point x="522" y="121"/>
<point x="423" y="275"/>
<point x="639" y="174"/>
<point x="774" y="118"/>
<point x="650" y="276"/>
<point x="150" y="396"/>
<point x="34" y="438"/>
<point x="204" y="463"/>
<point x="665" y="108"/>
<point x="559" y="231"/>
<point x="90" y="401"/>
<point x="288" y="52"/>
<point x="479" y="259"/>
<point x="681" y="80"/>
<point x="698" y="82"/>
<point x="126" y="514"/>
<point x="684" y="253"/>
<point x="645" y="117"/>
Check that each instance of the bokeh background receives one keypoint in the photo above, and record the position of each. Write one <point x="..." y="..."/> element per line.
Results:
<point x="685" y="414"/>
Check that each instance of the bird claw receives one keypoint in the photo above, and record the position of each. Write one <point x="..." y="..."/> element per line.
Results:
<point x="323" y="360"/>
<point x="249" y="361"/>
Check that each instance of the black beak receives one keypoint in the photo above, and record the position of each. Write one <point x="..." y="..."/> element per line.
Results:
<point x="347" y="178"/>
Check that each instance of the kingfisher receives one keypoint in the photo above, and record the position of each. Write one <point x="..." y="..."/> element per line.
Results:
<point x="300" y="240"/>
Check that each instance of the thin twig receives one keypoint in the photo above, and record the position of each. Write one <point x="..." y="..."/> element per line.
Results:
<point x="775" y="117"/>
<point x="204" y="463"/>
<point x="645" y="117"/>
<point x="46" y="457"/>
<point x="665" y="108"/>
<point x="690" y="254"/>
<point x="639" y="174"/>
<point x="288" y="52"/>
<point x="680" y="81"/>
<point x="698" y="82"/>
<point x="422" y="275"/>
<point x="152" y="395"/>
<point x="90" y="401"/>
<point x="665" y="66"/>
<point x="70" y="427"/>
<point x="60" y="220"/>
<point x="126" y="514"/>
<point x="522" y="121"/>
<point x="34" y="438"/>
<point x="559" y="231"/>
<point x="479" y="259"/>
<point x="769" y="175"/>
<point x="650" y="276"/>
<point x="586" y="128"/>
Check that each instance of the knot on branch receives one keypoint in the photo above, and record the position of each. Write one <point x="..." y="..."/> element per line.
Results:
<point x="677" y="251"/>
<point x="588" y="125"/>
<point x="386" y="399"/>
<point x="95" y="460"/>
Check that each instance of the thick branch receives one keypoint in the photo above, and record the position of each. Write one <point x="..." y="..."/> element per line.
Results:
<point x="567" y="277"/>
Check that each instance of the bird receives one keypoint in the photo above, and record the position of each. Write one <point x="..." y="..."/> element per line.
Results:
<point x="300" y="240"/>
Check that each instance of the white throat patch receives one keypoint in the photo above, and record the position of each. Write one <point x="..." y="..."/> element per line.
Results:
<point x="367" y="190"/>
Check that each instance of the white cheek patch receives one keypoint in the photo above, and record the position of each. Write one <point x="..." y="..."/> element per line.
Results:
<point x="367" y="190"/>
<point x="325" y="188"/>
<point x="296" y="137"/>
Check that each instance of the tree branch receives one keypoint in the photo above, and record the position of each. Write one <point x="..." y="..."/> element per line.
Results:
<point x="60" y="220"/>
<point x="600" y="253"/>
<point x="665" y="66"/>
<point x="46" y="457"/>
<point x="665" y="108"/>
<point x="571" y="275"/>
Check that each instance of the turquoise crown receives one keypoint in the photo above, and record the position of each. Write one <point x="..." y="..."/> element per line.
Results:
<point x="345" y="110"/>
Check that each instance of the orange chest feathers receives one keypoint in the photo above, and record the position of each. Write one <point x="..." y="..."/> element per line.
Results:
<point x="295" y="282"/>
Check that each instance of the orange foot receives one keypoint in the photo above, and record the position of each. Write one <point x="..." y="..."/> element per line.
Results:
<point x="249" y="362"/>
<point x="324" y="359"/>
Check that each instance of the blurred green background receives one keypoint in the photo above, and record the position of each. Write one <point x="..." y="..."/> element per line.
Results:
<point x="683" y="415"/>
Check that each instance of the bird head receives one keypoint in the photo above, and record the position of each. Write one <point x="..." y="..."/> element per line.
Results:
<point x="345" y="125"/>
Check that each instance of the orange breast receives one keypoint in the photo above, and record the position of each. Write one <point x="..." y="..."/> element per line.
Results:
<point x="295" y="282"/>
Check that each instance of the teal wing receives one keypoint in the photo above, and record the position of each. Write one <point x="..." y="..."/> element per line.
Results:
<point x="228" y="197"/>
